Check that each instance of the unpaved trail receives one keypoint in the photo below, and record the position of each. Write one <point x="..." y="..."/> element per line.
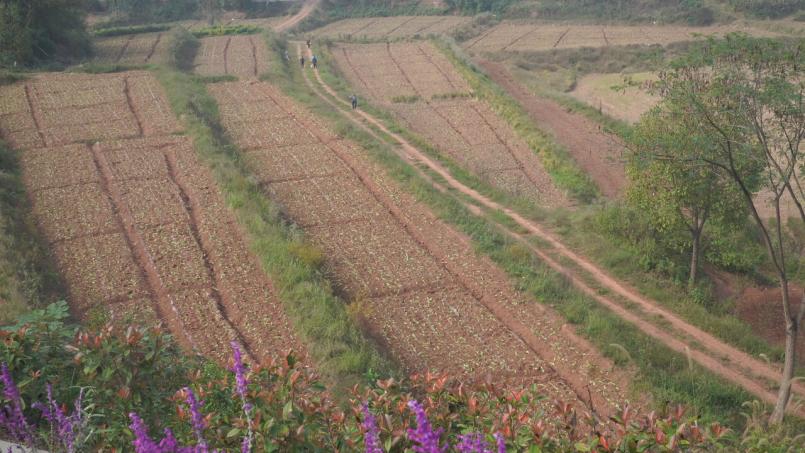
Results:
<point x="738" y="367"/>
<point x="596" y="152"/>
<point x="307" y="10"/>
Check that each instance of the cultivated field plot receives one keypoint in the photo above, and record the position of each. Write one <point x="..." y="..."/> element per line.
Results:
<point x="137" y="224"/>
<point x="510" y="36"/>
<point x="390" y="27"/>
<point x="627" y="105"/>
<point x="445" y="113"/>
<point x="424" y="293"/>
<point x="133" y="49"/>
<point x="243" y="56"/>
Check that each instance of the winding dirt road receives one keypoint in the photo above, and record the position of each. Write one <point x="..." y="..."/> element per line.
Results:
<point x="307" y="10"/>
<point x="738" y="367"/>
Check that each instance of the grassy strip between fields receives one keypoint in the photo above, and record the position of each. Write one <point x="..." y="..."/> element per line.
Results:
<point x="225" y="30"/>
<point x="338" y="348"/>
<point x="556" y="160"/>
<point x="132" y="30"/>
<point x="662" y="373"/>
<point x="28" y="279"/>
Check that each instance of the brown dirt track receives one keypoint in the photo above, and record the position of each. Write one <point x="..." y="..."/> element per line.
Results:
<point x="720" y="358"/>
<point x="423" y="292"/>
<point x="137" y="224"/>
<point x="464" y="128"/>
<point x="596" y="152"/>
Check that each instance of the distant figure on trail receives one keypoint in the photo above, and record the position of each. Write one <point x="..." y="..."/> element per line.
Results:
<point x="302" y="62"/>
<point x="315" y="61"/>
<point x="308" y="44"/>
<point x="287" y="57"/>
<point x="354" y="100"/>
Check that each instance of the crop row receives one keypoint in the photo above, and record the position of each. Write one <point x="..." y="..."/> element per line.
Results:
<point x="133" y="49"/>
<point x="138" y="226"/>
<point x="510" y="36"/>
<point x="419" y="286"/>
<point x="390" y="27"/>
<point x="244" y="56"/>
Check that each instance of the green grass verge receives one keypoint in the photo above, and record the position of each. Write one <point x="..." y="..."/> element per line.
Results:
<point x="131" y="30"/>
<point x="224" y="30"/>
<point x="28" y="279"/>
<point x="338" y="348"/>
<point x="661" y="373"/>
<point x="554" y="158"/>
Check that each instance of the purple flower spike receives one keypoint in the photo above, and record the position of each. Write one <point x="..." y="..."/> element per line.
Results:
<point x="424" y="436"/>
<point x="142" y="442"/>
<point x="198" y="420"/>
<point x="473" y="443"/>
<point x="11" y="416"/>
<point x="501" y="442"/>
<point x="371" y="439"/>
<point x="241" y="386"/>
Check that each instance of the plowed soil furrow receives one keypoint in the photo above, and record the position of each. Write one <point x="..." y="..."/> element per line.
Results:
<point x="561" y="37"/>
<point x="166" y="308"/>
<point x="480" y="38"/>
<point x="399" y="26"/>
<point x="254" y="55"/>
<point x="153" y="48"/>
<point x="193" y="212"/>
<point x="441" y="71"/>
<point x="518" y="39"/>
<point x="34" y="114"/>
<point x="714" y="355"/>
<point x="133" y="110"/>
<point x="434" y="25"/>
<point x="226" y="55"/>
<point x="477" y="297"/>
<point x="124" y="48"/>
<point x="357" y="73"/>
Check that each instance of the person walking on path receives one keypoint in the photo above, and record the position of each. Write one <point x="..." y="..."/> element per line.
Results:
<point x="308" y="44"/>
<point x="302" y="62"/>
<point x="315" y="62"/>
<point x="354" y="100"/>
<point x="287" y="57"/>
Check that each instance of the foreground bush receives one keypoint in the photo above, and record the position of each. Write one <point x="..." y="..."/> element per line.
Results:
<point x="129" y="389"/>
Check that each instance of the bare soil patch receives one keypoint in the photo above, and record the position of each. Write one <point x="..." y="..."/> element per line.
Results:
<point x="596" y="152"/>
<point x="144" y="48"/>
<point x="524" y="37"/>
<point x="762" y="308"/>
<point x="417" y="282"/>
<point x="139" y="228"/>
<point x="390" y="27"/>
<point x="243" y="56"/>
<point x="462" y="127"/>
<point x="627" y="105"/>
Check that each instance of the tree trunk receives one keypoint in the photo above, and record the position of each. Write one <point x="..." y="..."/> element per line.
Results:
<point x="791" y="330"/>
<point x="694" y="259"/>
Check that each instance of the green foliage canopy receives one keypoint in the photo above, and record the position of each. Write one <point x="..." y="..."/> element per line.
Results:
<point x="35" y="30"/>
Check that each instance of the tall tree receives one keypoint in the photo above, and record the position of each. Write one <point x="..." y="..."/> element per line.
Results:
<point x="675" y="191"/>
<point x="32" y="30"/>
<point x="746" y="96"/>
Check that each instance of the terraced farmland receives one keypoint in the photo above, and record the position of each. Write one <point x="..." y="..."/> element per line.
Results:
<point x="137" y="225"/>
<point x="390" y="27"/>
<point x="243" y="56"/>
<point x="444" y="112"/>
<point x="512" y="36"/>
<point x="133" y="49"/>
<point x="422" y="291"/>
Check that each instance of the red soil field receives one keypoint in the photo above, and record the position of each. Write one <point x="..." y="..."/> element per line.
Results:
<point x="419" y="286"/>
<point x="444" y="112"/>
<point x="138" y="226"/>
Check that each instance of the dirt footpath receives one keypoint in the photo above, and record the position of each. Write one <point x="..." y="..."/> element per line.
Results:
<point x="597" y="153"/>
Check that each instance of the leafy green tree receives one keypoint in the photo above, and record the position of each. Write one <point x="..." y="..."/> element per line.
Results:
<point x="746" y="97"/>
<point x="675" y="191"/>
<point x="34" y="30"/>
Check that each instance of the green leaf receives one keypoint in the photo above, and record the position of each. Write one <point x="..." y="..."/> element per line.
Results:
<point x="233" y="432"/>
